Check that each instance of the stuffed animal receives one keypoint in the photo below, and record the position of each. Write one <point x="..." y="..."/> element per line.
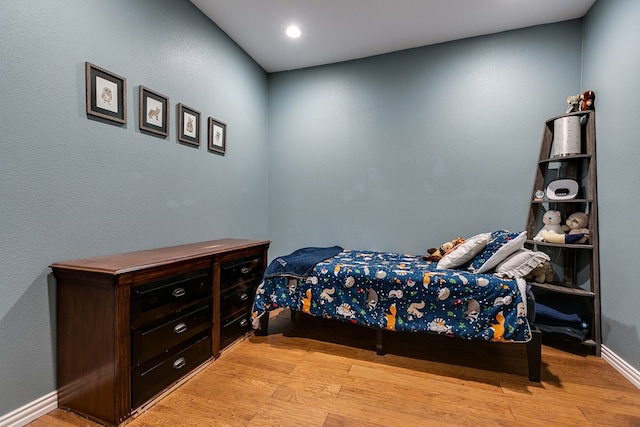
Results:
<point x="551" y="220"/>
<point x="541" y="274"/>
<point x="587" y="100"/>
<point x="576" y="223"/>
<point x="574" y="103"/>
<point x="436" y="254"/>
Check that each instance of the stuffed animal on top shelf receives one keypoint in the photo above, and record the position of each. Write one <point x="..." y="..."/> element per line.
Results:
<point x="581" y="102"/>
<point x="587" y="100"/>
<point x="551" y="220"/>
<point x="574" y="103"/>
<point x="436" y="254"/>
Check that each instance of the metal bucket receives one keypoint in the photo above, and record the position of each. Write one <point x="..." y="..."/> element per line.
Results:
<point x="566" y="136"/>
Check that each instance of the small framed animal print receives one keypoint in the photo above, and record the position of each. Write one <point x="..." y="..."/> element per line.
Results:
<point x="153" y="112"/>
<point x="188" y="125"/>
<point x="217" y="136"/>
<point x="106" y="94"/>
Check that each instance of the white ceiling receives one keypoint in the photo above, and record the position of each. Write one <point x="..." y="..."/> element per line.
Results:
<point x="341" y="30"/>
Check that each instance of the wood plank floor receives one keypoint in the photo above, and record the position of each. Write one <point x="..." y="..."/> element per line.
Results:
<point x="315" y="372"/>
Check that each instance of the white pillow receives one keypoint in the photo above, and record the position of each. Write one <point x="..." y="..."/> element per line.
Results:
<point x="500" y="246"/>
<point x="520" y="263"/>
<point x="465" y="252"/>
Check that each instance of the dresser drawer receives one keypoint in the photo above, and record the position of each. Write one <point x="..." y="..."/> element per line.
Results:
<point x="236" y="298"/>
<point x="158" y="337"/>
<point x="153" y="377"/>
<point x="234" y="328"/>
<point x="235" y="273"/>
<point x="161" y="297"/>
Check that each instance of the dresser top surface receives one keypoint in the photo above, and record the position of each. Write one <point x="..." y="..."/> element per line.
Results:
<point x="130" y="261"/>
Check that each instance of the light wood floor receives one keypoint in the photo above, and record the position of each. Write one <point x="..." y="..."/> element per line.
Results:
<point x="315" y="372"/>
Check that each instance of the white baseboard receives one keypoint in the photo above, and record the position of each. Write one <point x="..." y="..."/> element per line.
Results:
<point x="627" y="371"/>
<point x="30" y="411"/>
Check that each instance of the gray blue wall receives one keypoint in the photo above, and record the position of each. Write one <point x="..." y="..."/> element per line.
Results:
<point x="404" y="151"/>
<point x="73" y="187"/>
<point x="612" y="69"/>
<point x="396" y="152"/>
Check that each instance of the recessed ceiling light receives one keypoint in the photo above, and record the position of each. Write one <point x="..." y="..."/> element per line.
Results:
<point x="293" y="31"/>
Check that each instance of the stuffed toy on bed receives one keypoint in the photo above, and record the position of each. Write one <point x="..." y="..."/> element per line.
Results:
<point x="436" y="254"/>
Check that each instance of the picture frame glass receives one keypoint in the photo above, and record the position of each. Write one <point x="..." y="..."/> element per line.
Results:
<point x="153" y="112"/>
<point x="217" y="137"/>
<point x="188" y="125"/>
<point x="105" y="94"/>
<point x="190" y="122"/>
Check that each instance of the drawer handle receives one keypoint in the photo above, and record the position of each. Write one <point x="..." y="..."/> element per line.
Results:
<point x="245" y="270"/>
<point x="244" y="322"/>
<point x="178" y="364"/>
<point x="178" y="292"/>
<point x="180" y="328"/>
<point x="244" y="296"/>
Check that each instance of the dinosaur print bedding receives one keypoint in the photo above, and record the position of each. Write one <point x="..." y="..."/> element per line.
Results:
<point x="404" y="293"/>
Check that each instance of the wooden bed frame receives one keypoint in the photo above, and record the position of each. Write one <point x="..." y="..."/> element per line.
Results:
<point x="534" y="346"/>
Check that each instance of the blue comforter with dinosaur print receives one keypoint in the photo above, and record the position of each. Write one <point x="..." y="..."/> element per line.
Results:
<point x="402" y="292"/>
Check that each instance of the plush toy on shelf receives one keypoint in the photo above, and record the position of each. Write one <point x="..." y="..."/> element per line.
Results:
<point x="436" y="254"/>
<point x="543" y="273"/>
<point x="574" y="103"/>
<point x="581" y="102"/>
<point x="576" y="223"/>
<point x="551" y="220"/>
<point x="587" y="100"/>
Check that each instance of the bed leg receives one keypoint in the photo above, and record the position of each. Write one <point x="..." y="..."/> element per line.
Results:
<point x="263" y="327"/>
<point x="379" y="350"/>
<point x="534" y="354"/>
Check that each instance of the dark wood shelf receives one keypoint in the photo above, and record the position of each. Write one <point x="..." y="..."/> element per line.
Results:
<point x="568" y="158"/>
<point x="576" y="266"/>
<point x="560" y="245"/>
<point x="562" y="201"/>
<point x="563" y="289"/>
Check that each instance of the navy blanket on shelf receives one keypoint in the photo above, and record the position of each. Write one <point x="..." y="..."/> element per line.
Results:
<point x="301" y="262"/>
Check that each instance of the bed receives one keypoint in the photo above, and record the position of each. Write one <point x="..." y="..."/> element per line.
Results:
<point x="399" y="292"/>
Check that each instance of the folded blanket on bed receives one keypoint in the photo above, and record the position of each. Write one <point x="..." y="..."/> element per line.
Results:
<point x="301" y="262"/>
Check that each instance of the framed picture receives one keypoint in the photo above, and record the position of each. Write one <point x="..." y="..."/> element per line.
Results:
<point x="188" y="125"/>
<point x="153" y="114"/>
<point x="217" y="136"/>
<point x="106" y="94"/>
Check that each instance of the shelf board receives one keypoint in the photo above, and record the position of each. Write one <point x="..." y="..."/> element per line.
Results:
<point x="573" y="113"/>
<point x="559" y="245"/>
<point x="564" y="289"/>
<point x="562" y="201"/>
<point x="565" y="158"/>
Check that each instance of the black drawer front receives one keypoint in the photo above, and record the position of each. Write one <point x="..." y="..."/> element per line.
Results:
<point x="235" y="273"/>
<point x="159" y="337"/>
<point x="233" y="329"/>
<point x="161" y="297"/>
<point x="237" y="298"/>
<point x="153" y="377"/>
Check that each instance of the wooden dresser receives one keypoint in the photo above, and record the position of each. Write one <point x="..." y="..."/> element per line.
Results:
<point x="132" y="326"/>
